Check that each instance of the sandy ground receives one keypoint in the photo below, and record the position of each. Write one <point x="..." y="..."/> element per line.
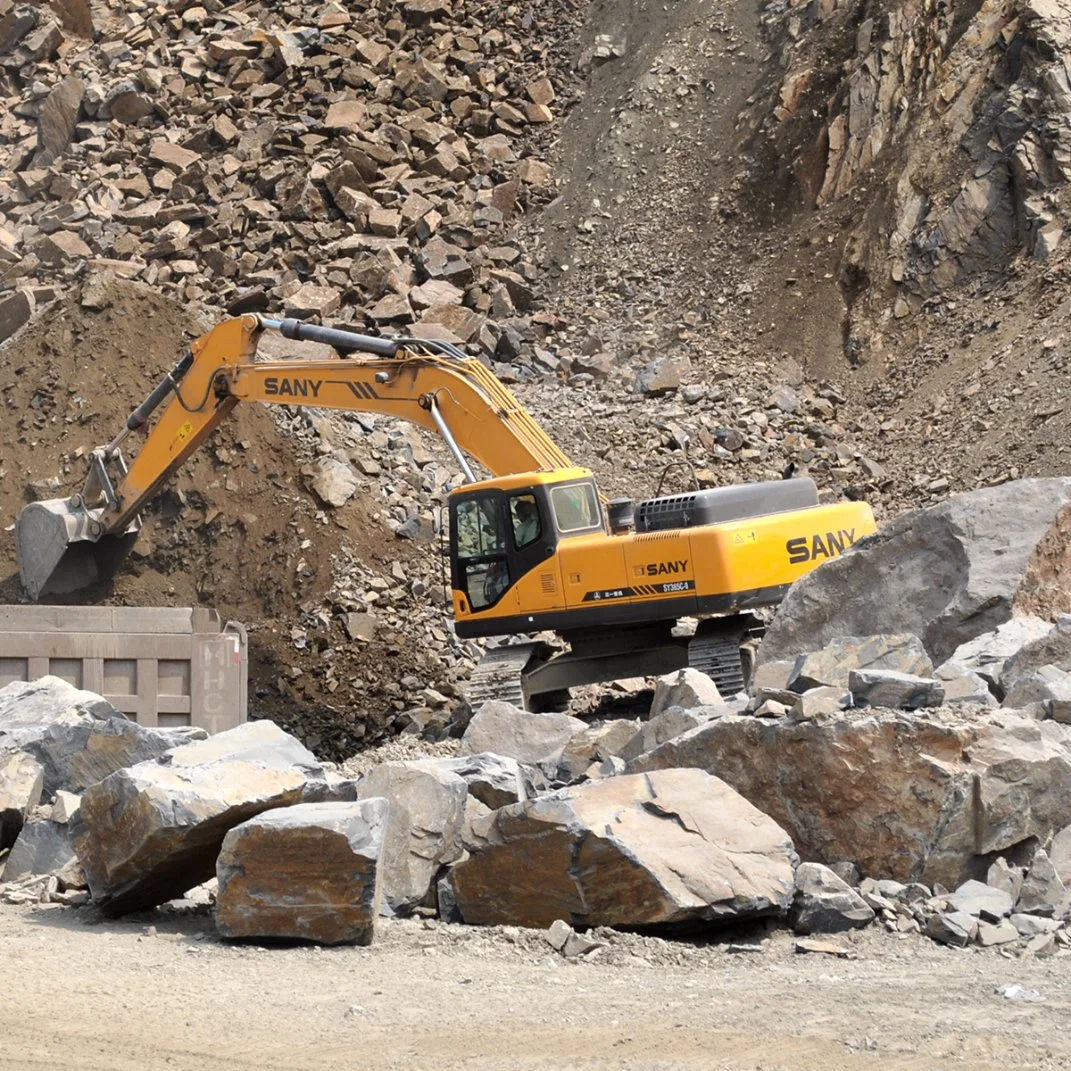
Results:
<point x="161" y="991"/>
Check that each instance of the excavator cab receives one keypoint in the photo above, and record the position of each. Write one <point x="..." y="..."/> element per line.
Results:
<point x="503" y="529"/>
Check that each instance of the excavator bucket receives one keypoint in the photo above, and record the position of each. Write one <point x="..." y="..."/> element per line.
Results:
<point x="56" y="543"/>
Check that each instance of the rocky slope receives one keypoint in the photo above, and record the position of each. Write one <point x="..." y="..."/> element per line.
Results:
<point x="819" y="238"/>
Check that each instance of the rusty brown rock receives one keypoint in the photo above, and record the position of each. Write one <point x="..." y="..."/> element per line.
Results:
<point x="671" y="847"/>
<point x="149" y="833"/>
<point x="909" y="797"/>
<point x="311" y="872"/>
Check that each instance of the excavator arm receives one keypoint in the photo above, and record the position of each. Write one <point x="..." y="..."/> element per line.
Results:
<point x="428" y="383"/>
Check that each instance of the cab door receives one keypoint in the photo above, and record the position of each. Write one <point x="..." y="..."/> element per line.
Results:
<point x="479" y="559"/>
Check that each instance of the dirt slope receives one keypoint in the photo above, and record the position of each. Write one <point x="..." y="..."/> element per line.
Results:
<point x="237" y="528"/>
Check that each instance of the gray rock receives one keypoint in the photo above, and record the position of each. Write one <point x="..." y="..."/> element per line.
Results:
<point x="772" y="676"/>
<point x="1060" y="854"/>
<point x="894" y="691"/>
<point x="532" y="739"/>
<point x="662" y="727"/>
<point x="333" y="481"/>
<point x="147" y="834"/>
<point x="494" y="780"/>
<point x="1032" y="925"/>
<point x="832" y="665"/>
<point x="1043" y="892"/>
<point x="963" y="686"/>
<point x="687" y="688"/>
<point x="673" y="847"/>
<point x="991" y="935"/>
<point x="823" y="903"/>
<point x="1047" y="685"/>
<point x="955" y="928"/>
<point x="78" y="737"/>
<point x="424" y="826"/>
<point x="31" y="704"/>
<point x="1007" y="878"/>
<point x="981" y="900"/>
<point x="819" y="702"/>
<point x="1050" y="648"/>
<point x="309" y="872"/>
<point x="847" y="872"/>
<point x="65" y="806"/>
<point x="22" y="779"/>
<point x="44" y="847"/>
<point x="593" y="745"/>
<point x="988" y="654"/>
<point x="946" y="574"/>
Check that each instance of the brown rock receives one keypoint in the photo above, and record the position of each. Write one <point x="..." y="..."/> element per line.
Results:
<point x="676" y="846"/>
<point x="435" y="292"/>
<point x="463" y="323"/>
<point x="392" y="307"/>
<point x="910" y="797"/>
<point x="56" y="123"/>
<point x="16" y="310"/>
<point x="310" y="872"/>
<point x="149" y="833"/>
<point x="58" y="248"/>
<point x="345" y="115"/>
<point x="172" y="156"/>
<point x="312" y="300"/>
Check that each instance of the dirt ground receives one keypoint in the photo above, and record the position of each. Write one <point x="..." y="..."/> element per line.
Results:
<point x="161" y="991"/>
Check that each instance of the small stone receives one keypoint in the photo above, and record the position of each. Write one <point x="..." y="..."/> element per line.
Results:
<point x="955" y="928"/>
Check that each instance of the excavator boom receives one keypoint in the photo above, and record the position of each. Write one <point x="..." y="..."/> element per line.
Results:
<point x="428" y="383"/>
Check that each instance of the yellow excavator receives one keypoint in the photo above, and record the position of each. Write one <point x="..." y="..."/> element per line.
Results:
<point x="533" y="549"/>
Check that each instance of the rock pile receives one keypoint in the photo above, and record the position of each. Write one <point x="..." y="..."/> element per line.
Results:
<point x="335" y="163"/>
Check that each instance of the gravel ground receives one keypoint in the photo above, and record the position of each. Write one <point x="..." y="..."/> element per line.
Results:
<point x="160" y="990"/>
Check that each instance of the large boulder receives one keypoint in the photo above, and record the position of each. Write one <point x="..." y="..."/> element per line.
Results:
<point x="78" y="737"/>
<point x="915" y="797"/>
<point x="1052" y="649"/>
<point x="675" y="847"/>
<point x="534" y="739"/>
<point x="427" y="813"/>
<point x="897" y="691"/>
<point x="29" y="704"/>
<point x="309" y="872"/>
<point x="946" y="574"/>
<point x="147" y="834"/>
<point x="21" y="781"/>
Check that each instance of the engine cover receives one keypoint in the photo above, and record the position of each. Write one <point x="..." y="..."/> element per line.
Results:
<point x="721" y="504"/>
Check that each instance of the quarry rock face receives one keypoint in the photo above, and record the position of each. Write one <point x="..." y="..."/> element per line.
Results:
<point x="911" y="797"/>
<point x="670" y="847"/>
<point x="946" y="574"/>
<point x="149" y="833"/>
<point x="309" y="872"/>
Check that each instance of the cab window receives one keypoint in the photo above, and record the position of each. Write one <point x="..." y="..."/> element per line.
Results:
<point x="575" y="507"/>
<point x="481" y="551"/>
<point x="524" y="516"/>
